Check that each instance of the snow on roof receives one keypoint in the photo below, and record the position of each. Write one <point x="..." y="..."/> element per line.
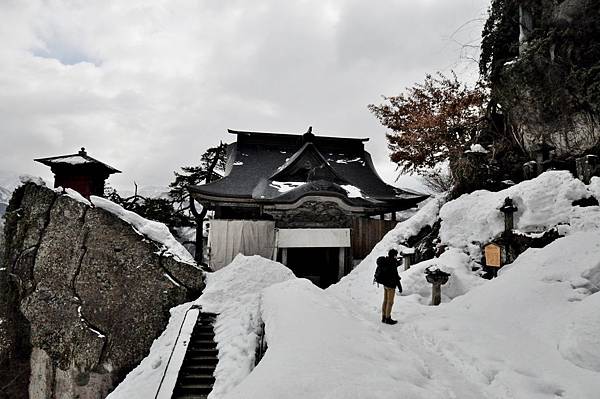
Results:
<point x="80" y="158"/>
<point x="353" y="191"/>
<point x="156" y="231"/>
<point x="72" y="159"/>
<point x="284" y="187"/>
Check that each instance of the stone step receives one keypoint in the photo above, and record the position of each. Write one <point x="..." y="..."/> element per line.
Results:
<point x="199" y="360"/>
<point x="203" y="337"/>
<point x="196" y="376"/>
<point x="204" y="328"/>
<point x="203" y="341"/>
<point x="194" y="389"/>
<point x="192" y="379"/>
<point x="198" y="369"/>
<point x="203" y="351"/>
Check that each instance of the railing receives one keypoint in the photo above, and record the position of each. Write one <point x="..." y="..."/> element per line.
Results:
<point x="171" y="373"/>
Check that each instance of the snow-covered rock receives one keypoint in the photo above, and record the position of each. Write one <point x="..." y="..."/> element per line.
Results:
<point x="156" y="231"/>
<point x="544" y="202"/>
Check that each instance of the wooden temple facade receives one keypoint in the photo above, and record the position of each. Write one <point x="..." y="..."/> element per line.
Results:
<point x="304" y="200"/>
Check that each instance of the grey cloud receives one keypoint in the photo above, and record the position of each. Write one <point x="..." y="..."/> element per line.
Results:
<point x="155" y="83"/>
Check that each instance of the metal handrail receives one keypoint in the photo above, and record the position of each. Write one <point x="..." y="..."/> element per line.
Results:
<point x="193" y="307"/>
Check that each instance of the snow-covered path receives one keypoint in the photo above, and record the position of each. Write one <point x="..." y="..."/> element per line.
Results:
<point x="532" y="333"/>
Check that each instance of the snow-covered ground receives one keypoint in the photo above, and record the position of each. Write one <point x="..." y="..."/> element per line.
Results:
<point x="533" y="332"/>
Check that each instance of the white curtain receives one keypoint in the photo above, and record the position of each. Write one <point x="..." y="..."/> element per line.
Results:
<point x="227" y="238"/>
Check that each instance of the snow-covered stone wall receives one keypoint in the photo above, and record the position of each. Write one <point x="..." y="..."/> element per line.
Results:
<point x="90" y="288"/>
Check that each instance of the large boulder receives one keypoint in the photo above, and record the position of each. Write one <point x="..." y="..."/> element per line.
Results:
<point x="84" y="295"/>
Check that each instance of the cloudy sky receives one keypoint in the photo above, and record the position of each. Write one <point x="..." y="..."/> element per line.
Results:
<point x="148" y="85"/>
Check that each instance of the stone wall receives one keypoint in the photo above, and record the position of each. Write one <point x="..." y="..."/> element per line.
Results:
<point x="82" y="296"/>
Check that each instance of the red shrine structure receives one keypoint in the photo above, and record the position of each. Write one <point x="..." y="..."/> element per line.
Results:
<point x="79" y="172"/>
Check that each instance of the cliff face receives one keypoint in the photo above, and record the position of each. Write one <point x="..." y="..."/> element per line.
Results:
<point x="542" y="58"/>
<point x="82" y="296"/>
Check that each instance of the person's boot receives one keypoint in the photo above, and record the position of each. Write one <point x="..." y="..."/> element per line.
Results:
<point x="389" y="320"/>
<point x="383" y="319"/>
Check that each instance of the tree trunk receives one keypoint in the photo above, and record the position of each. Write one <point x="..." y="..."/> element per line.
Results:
<point x="199" y="216"/>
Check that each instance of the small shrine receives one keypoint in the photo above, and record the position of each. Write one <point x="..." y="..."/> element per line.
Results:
<point x="79" y="172"/>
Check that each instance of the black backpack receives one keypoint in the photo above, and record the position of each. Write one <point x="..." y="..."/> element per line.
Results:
<point x="380" y="270"/>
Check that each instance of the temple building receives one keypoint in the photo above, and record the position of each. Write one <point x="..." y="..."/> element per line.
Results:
<point x="308" y="201"/>
<point x="79" y="172"/>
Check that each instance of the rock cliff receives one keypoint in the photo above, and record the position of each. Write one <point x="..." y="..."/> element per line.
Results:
<point x="83" y="294"/>
<point x="542" y="59"/>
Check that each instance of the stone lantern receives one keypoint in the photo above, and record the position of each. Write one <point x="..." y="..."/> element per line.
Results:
<point x="587" y="166"/>
<point x="543" y="155"/>
<point x="437" y="278"/>
<point x="508" y="209"/>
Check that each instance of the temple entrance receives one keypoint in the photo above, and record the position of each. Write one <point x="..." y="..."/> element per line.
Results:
<point x="319" y="265"/>
<point x="316" y="254"/>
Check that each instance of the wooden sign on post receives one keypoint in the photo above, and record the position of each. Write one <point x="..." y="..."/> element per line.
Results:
<point x="493" y="255"/>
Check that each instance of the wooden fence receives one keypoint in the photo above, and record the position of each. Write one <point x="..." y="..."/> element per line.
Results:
<point x="366" y="233"/>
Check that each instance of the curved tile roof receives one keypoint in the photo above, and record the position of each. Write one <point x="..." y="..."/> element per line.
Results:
<point x="282" y="168"/>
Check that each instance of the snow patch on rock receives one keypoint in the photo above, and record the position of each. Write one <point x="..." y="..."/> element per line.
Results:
<point x="156" y="231"/>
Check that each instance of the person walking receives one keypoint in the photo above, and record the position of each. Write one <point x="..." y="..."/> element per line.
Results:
<point x="386" y="274"/>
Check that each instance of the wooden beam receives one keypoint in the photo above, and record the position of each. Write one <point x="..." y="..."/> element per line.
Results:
<point x="284" y="255"/>
<point x="341" y="262"/>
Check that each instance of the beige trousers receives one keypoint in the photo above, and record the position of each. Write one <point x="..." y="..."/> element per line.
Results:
<point x="388" y="301"/>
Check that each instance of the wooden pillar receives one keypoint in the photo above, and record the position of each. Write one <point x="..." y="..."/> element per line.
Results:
<point x="341" y="262"/>
<point x="284" y="255"/>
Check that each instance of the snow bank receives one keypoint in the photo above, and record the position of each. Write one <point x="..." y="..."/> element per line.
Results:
<point x="533" y="331"/>
<point x="544" y="202"/>
<point x="233" y="292"/>
<point x="319" y="349"/>
<point x="358" y="284"/>
<point x="156" y="231"/>
<point x="453" y="261"/>
<point x="144" y="380"/>
<point x="69" y="192"/>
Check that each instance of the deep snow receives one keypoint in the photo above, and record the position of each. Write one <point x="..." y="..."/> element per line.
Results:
<point x="533" y="332"/>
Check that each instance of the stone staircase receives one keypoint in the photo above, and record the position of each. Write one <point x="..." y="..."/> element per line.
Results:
<point x="196" y="377"/>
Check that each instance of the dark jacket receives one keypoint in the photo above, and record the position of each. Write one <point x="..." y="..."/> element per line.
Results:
<point x="389" y="272"/>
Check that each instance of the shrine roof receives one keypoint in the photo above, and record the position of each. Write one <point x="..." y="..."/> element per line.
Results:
<point x="282" y="168"/>
<point x="79" y="159"/>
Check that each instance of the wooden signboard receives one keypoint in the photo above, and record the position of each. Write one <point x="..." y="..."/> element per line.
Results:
<point x="493" y="255"/>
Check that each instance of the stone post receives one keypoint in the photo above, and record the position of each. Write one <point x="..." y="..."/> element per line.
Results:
<point x="508" y="209"/>
<point x="586" y="167"/>
<point x="530" y="170"/>
<point x="407" y="257"/>
<point x="436" y="278"/>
